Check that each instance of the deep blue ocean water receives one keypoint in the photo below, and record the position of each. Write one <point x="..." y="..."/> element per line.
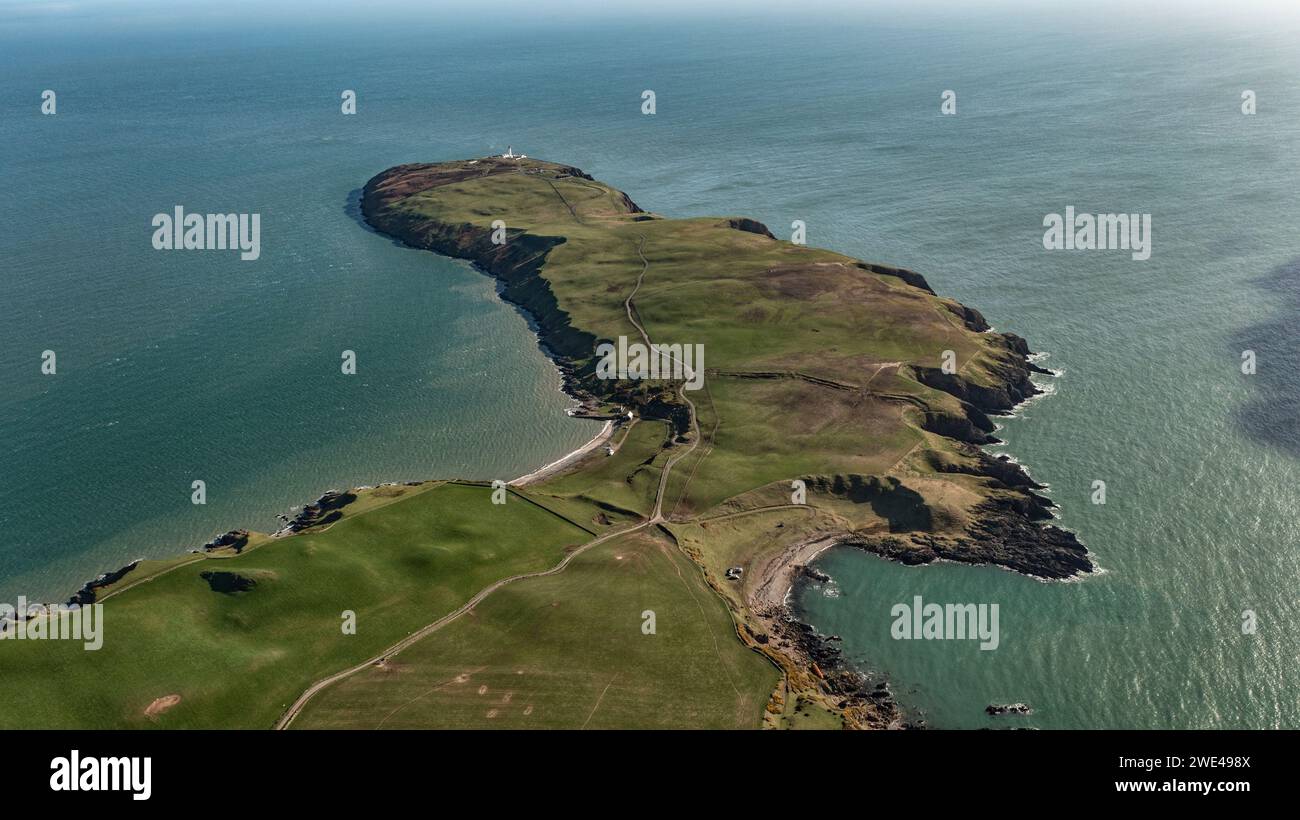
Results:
<point x="184" y="365"/>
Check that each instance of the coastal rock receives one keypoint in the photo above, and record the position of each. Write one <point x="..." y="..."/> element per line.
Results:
<point x="325" y="510"/>
<point x="910" y="277"/>
<point x="744" y="223"/>
<point x="867" y="703"/>
<point x="996" y="709"/>
<point x="88" y="593"/>
<point x="998" y="399"/>
<point x="814" y="574"/>
<point x="973" y="319"/>
<point x="1003" y="534"/>
<point x="235" y="539"/>
<point x="973" y="427"/>
<point x="1006" y="471"/>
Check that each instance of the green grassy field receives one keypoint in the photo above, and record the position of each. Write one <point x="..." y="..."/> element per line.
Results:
<point x="568" y="651"/>
<point x="236" y="660"/>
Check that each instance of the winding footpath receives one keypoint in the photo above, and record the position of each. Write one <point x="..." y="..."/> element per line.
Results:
<point x="657" y="516"/>
<point x="293" y="711"/>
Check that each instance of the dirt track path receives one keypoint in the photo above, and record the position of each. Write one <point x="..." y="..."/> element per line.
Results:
<point x="656" y="517"/>
<point x="293" y="711"/>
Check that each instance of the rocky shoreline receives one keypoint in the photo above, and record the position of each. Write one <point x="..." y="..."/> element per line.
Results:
<point x="1008" y="533"/>
<point x="324" y="510"/>
<point x="90" y="590"/>
<point x="815" y="658"/>
<point x="866" y="703"/>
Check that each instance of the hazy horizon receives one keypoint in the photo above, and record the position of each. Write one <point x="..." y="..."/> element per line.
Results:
<point x="108" y="15"/>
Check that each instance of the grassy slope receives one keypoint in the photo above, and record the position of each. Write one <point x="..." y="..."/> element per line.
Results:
<point x="621" y="488"/>
<point x="568" y="651"/>
<point x="239" y="659"/>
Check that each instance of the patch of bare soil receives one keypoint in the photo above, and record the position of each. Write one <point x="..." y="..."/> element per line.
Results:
<point x="161" y="705"/>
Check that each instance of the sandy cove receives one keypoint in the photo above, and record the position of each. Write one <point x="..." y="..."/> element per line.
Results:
<point x="776" y="575"/>
<point x="563" y="462"/>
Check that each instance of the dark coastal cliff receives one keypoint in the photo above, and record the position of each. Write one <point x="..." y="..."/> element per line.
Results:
<point x="516" y="264"/>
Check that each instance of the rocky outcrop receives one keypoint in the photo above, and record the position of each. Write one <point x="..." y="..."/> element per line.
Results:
<point x="1008" y="383"/>
<point x="996" y="709"/>
<point x="90" y="591"/>
<point x="325" y="510"/>
<point x="811" y="573"/>
<point x="1005" y="532"/>
<point x="912" y="278"/>
<point x="866" y="702"/>
<point x="1012" y="388"/>
<point x="973" y="427"/>
<point x="970" y="317"/>
<point x="235" y="539"/>
<point x="744" y="223"/>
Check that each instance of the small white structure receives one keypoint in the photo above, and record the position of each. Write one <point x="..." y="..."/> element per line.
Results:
<point x="734" y="573"/>
<point x="609" y="449"/>
<point x="510" y="154"/>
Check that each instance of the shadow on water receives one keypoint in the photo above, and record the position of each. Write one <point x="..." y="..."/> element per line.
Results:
<point x="1271" y="413"/>
<point x="352" y="207"/>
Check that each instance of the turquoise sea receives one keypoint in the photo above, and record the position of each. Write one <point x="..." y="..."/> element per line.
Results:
<point x="176" y="366"/>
